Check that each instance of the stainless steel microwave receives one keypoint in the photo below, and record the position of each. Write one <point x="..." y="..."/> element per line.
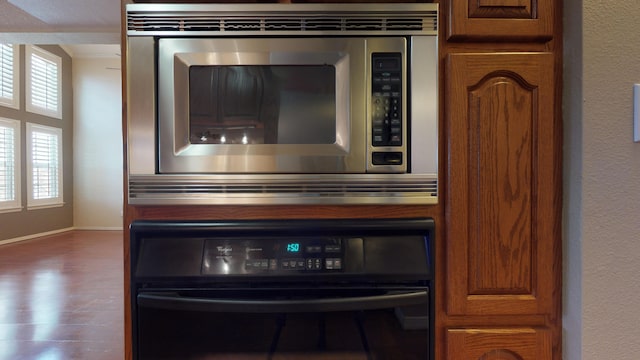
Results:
<point x="282" y="103"/>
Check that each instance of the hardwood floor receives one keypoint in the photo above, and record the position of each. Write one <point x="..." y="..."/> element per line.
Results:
<point x="61" y="297"/>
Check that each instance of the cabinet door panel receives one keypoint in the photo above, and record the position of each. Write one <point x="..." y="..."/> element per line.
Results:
<point x="508" y="9"/>
<point x="500" y="138"/>
<point x="500" y="200"/>
<point x="499" y="344"/>
<point x="501" y="19"/>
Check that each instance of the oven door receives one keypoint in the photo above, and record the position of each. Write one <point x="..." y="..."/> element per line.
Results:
<point x="284" y="323"/>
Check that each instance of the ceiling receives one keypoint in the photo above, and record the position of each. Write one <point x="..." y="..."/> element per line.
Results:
<point x="79" y="24"/>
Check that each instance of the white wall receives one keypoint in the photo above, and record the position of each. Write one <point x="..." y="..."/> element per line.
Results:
<point x="97" y="143"/>
<point x="602" y="181"/>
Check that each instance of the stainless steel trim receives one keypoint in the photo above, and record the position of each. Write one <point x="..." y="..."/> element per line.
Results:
<point x="283" y="189"/>
<point x="424" y="104"/>
<point x="141" y="106"/>
<point x="281" y="19"/>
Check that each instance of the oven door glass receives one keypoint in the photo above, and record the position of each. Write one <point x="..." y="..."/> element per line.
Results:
<point x="277" y="324"/>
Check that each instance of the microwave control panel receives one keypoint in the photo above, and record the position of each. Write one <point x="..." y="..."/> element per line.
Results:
<point x="386" y="98"/>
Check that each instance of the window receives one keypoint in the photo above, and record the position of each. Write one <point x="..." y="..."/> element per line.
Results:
<point x="44" y="168"/>
<point x="44" y="81"/>
<point x="9" y="164"/>
<point x="9" y="72"/>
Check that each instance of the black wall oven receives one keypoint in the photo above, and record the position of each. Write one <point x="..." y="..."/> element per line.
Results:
<point x="282" y="289"/>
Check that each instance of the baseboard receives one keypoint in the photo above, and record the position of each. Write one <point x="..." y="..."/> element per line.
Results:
<point x="99" y="228"/>
<point x="33" y="236"/>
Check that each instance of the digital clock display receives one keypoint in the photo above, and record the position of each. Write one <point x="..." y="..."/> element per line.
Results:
<point x="293" y="247"/>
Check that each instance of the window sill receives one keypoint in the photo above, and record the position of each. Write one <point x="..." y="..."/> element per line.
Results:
<point x="47" y="206"/>
<point x="10" y="210"/>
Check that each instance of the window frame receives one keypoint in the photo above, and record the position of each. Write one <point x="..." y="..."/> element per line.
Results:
<point x="14" y="102"/>
<point x="16" y="203"/>
<point x="30" y="51"/>
<point x="57" y="201"/>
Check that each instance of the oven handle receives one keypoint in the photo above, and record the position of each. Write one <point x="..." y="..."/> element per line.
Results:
<point x="174" y="301"/>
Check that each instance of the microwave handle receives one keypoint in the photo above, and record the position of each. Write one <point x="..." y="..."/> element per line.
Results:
<point x="174" y="301"/>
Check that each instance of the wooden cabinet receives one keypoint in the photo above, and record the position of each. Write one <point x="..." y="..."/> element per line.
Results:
<point x="502" y="273"/>
<point x="482" y="19"/>
<point x="500" y="204"/>
<point x="498" y="344"/>
<point x="503" y="245"/>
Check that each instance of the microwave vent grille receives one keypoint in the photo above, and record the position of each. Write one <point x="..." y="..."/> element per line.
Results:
<point x="149" y="191"/>
<point x="183" y="23"/>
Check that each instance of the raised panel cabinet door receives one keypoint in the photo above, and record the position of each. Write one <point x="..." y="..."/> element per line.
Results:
<point x="501" y="206"/>
<point x="499" y="344"/>
<point x="532" y="19"/>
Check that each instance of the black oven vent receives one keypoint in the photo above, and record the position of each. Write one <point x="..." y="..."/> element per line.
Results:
<point x="256" y="23"/>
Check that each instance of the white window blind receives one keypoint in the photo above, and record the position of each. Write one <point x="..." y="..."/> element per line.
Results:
<point x="45" y="165"/>
<point x="44" y="82"/>
<point x="9" y="160"/>
<point x="9" y="66"/>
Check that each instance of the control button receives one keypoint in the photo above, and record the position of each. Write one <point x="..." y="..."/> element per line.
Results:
<point x="273" y="264"/>
<point x="333" y="263"/>
<point x="332" y="248"/>
<point x="300" y="264"/>
<point x="285" y="264"/>
<point x="337" y="264"/>
<point x="313" y="249"/>
<point x="314" y="263"/>
<point x="328" y="264"/>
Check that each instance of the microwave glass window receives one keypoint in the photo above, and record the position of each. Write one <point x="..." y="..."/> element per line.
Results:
<point x="262" y="104"/>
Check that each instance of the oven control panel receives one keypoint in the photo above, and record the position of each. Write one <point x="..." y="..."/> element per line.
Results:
<point x="276" y="255"/>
